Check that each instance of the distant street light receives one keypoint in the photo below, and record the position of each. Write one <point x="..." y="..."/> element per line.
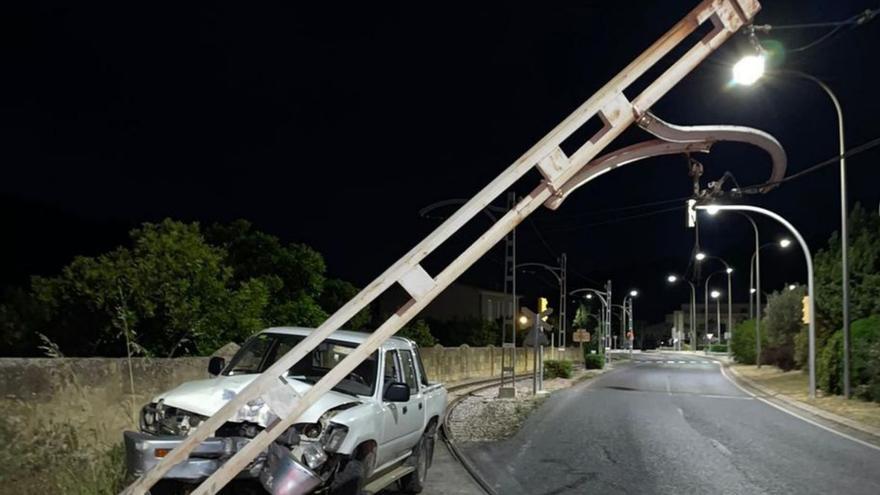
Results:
<point x="717" y="296"/>
<point x="810" y="287"/>
<point x="693" y="310"/>
<point x="755" y="273"/>
<point x="728" y="270"/>
<point x="523" y="320"/>
<point x="792" y="287"/>
<point x="700" y="256"/>
<point x="605" y="323"/>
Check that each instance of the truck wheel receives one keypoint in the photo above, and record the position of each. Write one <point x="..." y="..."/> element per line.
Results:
<point x="421" y="460"/>
<point x="350" y="479"/>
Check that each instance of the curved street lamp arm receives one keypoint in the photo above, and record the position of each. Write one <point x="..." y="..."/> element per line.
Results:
<point x="551" y="269"/>
<point x="810" y="287"/>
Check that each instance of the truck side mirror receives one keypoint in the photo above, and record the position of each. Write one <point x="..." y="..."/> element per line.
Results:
<point x="216" y="365"/>
<point x="396" y="392"/>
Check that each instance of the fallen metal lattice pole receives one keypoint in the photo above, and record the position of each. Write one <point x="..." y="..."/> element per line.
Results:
<point x="617" y="113"/>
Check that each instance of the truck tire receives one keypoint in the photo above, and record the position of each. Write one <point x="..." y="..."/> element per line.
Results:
<point x="421" y="460"/>
<point x="350" y="479"/>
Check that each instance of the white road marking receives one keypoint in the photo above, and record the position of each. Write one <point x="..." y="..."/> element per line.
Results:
<point x="670" y="362"/>
<point x="718" y="445"/>
<point x="798" y="416"/>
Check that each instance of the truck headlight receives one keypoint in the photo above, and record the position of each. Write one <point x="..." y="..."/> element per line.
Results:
<point x="313" y="455"/>
<point x="334" y="437"/>
<point x="149" y="418"/>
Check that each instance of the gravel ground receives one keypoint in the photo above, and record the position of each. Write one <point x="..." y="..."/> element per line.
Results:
<point x="482" y="417"/>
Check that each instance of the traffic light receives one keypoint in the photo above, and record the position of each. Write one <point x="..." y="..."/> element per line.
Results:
<point x="542" y="306"/>
<point x="806" y="310"/>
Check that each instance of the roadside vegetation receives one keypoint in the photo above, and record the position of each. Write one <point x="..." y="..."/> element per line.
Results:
<point x="784" y="340"/>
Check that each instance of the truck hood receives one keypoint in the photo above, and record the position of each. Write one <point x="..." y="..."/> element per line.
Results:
<point x="205" y="397"/>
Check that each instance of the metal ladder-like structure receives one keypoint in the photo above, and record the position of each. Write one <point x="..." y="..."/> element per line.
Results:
<point x="511" y="303"/>
<point x="616" y="111"/>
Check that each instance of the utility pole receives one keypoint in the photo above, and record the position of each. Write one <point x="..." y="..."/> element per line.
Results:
<point x="508" y="327"/>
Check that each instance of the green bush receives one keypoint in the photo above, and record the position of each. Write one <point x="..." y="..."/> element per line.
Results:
<point x="594" y="361"/>
<point x="558" y="368"/>
<point x="743" y="342"/>
<point x="865" y="347"/>
<point x="718" y="348"/>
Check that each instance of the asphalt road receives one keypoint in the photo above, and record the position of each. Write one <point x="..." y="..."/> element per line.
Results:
<point x="672" y="424"/>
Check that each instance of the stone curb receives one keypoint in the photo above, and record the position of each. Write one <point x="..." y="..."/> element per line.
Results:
<point x="850" y="423"/>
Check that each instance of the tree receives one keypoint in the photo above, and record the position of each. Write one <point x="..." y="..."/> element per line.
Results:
<point x="168" y="294"/>
<point x="742" y="344"/>
<point x="292" y="273"/>
<point x="864" y="266"/>
<point x="419" y="332"/>
<point x="338" y="292"/>
<point x="783" y="320"/>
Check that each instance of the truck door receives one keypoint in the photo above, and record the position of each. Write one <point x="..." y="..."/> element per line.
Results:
<point x="402" y="421"/>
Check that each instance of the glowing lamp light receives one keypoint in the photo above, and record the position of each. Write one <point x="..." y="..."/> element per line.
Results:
<point x="700" y="256"/>
<point x="712" y="209"/>
<point x="784" y="243"/>
<point x="672" y="279"/>
<point x="753" y="290"/>
<point x="589" y="296"/>
<point x="633" y="293"/>
<point x="729" y="270"/>
<point x="748" y="70"/>
<point x="792" y="287"/>
<point x="715" y="294"/>
<point x="523" y="320"/>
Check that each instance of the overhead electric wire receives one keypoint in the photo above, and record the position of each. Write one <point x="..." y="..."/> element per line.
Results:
<point x="620" y="219"/>
<point x="756" y="188"/>
<point x="854" y="21"/>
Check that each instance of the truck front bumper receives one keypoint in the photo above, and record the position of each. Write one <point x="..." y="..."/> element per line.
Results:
<point x="143" y="451"/>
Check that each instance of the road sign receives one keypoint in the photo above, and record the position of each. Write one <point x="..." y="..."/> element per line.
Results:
<point x="580" y="335"/>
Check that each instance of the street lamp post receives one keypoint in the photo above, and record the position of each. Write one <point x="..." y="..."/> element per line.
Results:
<point x="559" y="272"/>
<point x="752" y="75"/>
<point x="693" y="310"/>
<point x="629" y="299"/>
<point x="604" y="298"/>
<point x="810" y="286"/>
<point x="729" y="270"/>
<point x="755" y="273"/>
<point x="717" y="296"/>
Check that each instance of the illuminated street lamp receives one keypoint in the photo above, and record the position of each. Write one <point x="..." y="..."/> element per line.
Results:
<point x="755" y="274"/>
<point x="811" y="295"/>
<point x="717" y="296"/>
<point x="700" y="256"/>
<point x="749" y="69"/>
<point x="746" y="72"/>
<point x="693" y="310"/>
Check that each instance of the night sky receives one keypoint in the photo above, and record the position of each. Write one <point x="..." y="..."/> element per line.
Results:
<point x="335" y="125"/>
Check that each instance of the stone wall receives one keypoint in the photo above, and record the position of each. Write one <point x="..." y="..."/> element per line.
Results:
<point x="93" y="395"/>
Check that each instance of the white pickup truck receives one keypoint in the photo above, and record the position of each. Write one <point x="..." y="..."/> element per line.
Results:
<point x="376" y="427"/>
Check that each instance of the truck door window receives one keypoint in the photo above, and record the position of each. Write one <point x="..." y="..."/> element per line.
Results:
<point x="409" y="370"/>
<point x="392" y="368"/>
<point x="422" y="375"/>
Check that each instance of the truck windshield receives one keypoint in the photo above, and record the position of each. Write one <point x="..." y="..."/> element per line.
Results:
<point x="261" y="351"/>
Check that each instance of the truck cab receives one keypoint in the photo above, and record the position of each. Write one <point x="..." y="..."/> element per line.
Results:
<point x="377" y="426"/>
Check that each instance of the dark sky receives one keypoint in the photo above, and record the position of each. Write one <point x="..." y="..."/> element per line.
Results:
<point x="333" y="125"/>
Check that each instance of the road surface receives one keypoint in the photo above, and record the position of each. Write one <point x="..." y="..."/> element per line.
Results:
<point x="672" y="424"/>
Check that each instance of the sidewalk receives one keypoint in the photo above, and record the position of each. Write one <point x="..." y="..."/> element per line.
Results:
<point x="791" y="387"/>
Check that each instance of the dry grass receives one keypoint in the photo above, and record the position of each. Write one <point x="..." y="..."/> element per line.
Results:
<point x="794" y="384"/>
